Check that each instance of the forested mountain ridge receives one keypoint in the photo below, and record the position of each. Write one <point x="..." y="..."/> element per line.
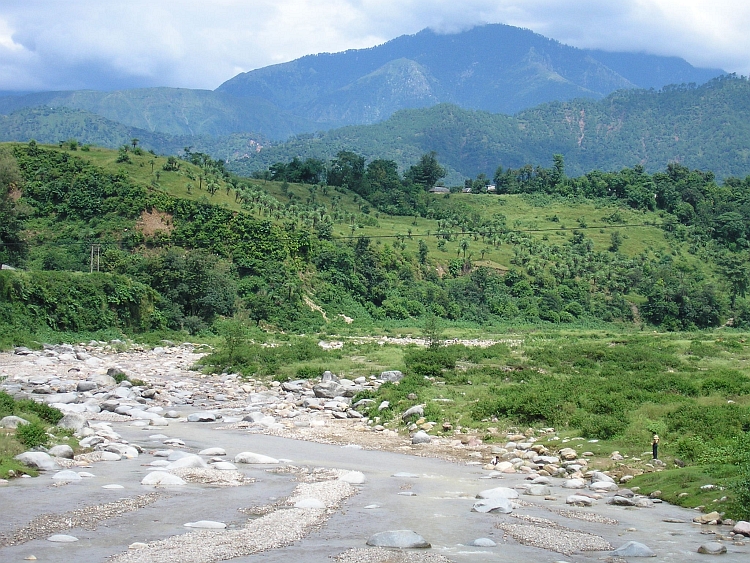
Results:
<point x="170" y="111"/>
<point x="703" y="127"/>
<point x="494" y="68"/>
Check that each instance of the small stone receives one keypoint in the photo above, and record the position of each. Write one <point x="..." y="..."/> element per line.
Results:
<point x="483" y="542"/>
<point x="402" y="539"/>
<point x="206" y="524"/>
<point x="137" y="545"/>
<point x="634" y="549"/>
<point x="309" y="503"/>
<point x="66" y="475"/>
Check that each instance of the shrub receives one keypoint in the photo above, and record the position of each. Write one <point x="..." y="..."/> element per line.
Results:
<point x="600" y="426"/>
<point x="309" y="372"/>
<point x="32" y="435"/>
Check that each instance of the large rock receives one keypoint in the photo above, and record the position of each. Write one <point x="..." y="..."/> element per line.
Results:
<point x="162" y="479"/>
<point x="38" y="460"/>
<point x="66" y="475"/>
<point x="62" y="450"/>
<point x="710" y="518"/>
<point x="634" y="549"/>
<point x="579" y="500"/>
<point x="250" y="457"/>
<point x="329" y="390"/>
<point x="189" y="461"/>
<point x="206" y="525"/>
<point x="73" y="421"/>
<point x="353" y="477"/>
<point x="402" y="539"/>
<point x="742" y="527"/>
<point x="201" y="417"/>
<point x="84" y="386"/>
<point x="599" y="477"/>
<point x="618" y="500"/>
<point x="392" y="375"/>
<point x="538" y="491"/>
<point x="496" y="504"/>
<point x="499" y="492"/>
<point x="12" y="421"/>
<point x="574" y="484"/>
<point x="482" y="542"/>
<point x="103" y="380"/>
<point x="421" y="437"/>
<point x="416" y="410"/>
<point x="601" y="486"/>
<point x="712" y="548"/>
<point x="213" y="452"/>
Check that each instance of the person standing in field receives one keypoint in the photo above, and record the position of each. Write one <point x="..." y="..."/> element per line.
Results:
<point x="655" y="446"/>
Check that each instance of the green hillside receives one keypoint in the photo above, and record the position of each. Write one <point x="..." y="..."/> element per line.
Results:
<point x="700" y="127"/>
<point x="553" y="249"/>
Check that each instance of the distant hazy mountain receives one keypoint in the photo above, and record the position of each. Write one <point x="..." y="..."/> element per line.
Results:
<point x="51" y="125"/>
<point x="175" y="111"/>
<point x="496" y="68"/>
<point x="703" y="127"/>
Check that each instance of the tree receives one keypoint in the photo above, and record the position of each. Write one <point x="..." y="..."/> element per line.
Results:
<point x="432" y="331"/>
<point x="615" y="241"/>
<point x="422" y="252"/>
<point x="736" y="271"/>
<point x="13" y="248"/>
<point x="464" y="246"/>
<point x="426" y="172"/>
<point x="348" y="170"/>
<point x="134" y="142"/>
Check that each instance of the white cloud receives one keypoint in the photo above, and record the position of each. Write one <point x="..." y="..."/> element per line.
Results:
<point x="47" y="44"/>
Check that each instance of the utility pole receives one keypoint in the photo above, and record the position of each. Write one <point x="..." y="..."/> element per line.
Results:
<point x="95" y="253"/>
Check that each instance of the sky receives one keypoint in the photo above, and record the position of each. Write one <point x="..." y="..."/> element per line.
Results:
<point x="114" y="44"/>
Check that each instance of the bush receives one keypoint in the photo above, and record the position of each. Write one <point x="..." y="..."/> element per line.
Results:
<point x="741" y="504"/>
<point x="32" y="435"/>
<point x="9" y="406"/>
<point x="600" y="426"/>
<point x="309" y="372"/>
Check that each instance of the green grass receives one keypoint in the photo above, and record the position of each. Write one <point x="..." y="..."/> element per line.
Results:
<point x="603" y="390"/>
<point x="547" y="218"/>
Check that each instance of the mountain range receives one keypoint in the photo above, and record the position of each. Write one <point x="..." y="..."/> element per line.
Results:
<point x="495" y="68"/>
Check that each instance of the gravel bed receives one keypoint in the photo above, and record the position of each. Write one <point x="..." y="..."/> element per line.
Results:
<point x="87" y="517"/>
<point x="106" y="416"/>
<point x="585" y="516"/>
<point x="273" y="530"/>
<point x="380" y="555"/>
<point x="215" y="477"/>
<point x="555" y="538"/>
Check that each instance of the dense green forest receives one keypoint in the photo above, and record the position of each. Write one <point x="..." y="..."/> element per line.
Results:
<point x="277" y="257"/>
<point x="701" y="127"/>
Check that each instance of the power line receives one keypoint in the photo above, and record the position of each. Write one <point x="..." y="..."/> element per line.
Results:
<point x="413" y="235"/>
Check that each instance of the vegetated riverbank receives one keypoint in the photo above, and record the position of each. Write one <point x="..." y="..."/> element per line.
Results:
<point x="161" y="410"/>
<point x="613" y="391"/>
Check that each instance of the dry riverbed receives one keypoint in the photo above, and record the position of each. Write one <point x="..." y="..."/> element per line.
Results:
<point x="242" y="469"/>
